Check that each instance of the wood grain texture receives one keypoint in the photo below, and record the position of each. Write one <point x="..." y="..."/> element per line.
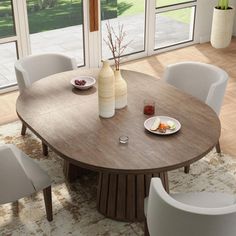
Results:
<point x="155" y="66"/>
<point x="187" y="169"/>
<point x="47" y="194"/>
<point x="67" y="121"/>
<point x="71" y="171"/>
<point x="23" y="129"/>
<point x="93" y="15"/>
<point x="121" y="196"/>
<point x="45" y="149"/>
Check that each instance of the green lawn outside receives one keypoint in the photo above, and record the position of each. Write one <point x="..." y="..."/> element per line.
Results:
<point x="161" y="3"/>
<point x="69" y="12"/>
<point x="6" y="21"/>
<point x="182" y="15"/>
<point x="65" y="13"/>
<point x="133" y="7"/>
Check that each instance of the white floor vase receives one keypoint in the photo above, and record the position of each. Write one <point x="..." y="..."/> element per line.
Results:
<point x="222" y="27"/>
<point x="106" y="91"/>
<point x="120" y="91"/>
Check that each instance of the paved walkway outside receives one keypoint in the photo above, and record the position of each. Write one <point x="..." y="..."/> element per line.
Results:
<point x="69" y="41"/>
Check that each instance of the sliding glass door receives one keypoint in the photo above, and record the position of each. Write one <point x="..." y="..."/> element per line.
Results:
<point x="57" y="26"/>
<point x="129" y="13"/>
<point x="64" y="26"/>
<point x="8" y="44"/>
<point x="174" y="22"/>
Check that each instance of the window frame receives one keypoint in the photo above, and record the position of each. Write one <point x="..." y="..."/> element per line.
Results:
<point x="179" y="6"/>
<point x="93" y="40"/>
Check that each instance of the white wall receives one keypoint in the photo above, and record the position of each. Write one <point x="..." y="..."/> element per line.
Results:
<point x="233" y="3"/>
<point x="204" y="19"/>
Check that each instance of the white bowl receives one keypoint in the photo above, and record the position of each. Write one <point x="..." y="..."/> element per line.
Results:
<point x="90" y="81"/>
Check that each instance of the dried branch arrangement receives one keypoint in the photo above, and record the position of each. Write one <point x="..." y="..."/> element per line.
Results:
<point x="115" y="42"/>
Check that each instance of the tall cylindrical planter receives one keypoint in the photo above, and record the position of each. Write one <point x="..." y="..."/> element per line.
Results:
<point x="222" y="27"/>
<point x="106" y="91"/>
<point x="120" y="91"/>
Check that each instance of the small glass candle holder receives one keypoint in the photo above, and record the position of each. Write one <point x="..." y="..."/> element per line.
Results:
<point x="123" y="139"/>
<point x="149" y="107"/>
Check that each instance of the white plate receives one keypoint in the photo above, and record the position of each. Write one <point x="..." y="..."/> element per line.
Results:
<point x="148" y="123"/>
<point x="90" y="81"/>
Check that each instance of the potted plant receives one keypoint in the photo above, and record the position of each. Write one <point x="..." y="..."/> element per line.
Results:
<point x="222" y="24"/>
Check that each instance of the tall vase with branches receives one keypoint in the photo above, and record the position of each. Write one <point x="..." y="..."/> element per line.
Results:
<point x="115" y="41"/>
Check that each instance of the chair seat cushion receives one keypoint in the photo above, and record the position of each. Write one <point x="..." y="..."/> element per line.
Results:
<point x="205" y="199"/>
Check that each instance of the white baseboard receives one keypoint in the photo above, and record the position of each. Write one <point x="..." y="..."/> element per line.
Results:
<point x="8" y="89"/>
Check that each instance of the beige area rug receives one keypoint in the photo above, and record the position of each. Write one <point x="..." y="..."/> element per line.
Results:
<point x="74" y="205"/>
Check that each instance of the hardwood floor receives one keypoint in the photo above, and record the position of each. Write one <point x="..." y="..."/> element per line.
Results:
<point x="8" y="107"/>
<point x="155" y="65"/>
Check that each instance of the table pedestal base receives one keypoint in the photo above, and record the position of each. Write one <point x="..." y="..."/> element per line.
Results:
<point x="73" y="172"/>
<point x="120" y="196"/>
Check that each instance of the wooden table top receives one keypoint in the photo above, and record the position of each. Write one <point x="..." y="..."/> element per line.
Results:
<point x="67" y="120"/>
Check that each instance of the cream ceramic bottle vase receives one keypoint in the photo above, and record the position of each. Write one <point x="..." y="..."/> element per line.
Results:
<point x="106" y="91"/>
<point x="120" y="91"/>
<point x="222" y="27"/>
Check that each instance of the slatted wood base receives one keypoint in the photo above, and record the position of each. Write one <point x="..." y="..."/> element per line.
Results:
<point x="72" y="172"/>
<point x="121" y="196"/>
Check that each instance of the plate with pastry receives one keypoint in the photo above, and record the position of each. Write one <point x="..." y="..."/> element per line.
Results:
<point x="162" y="125"/>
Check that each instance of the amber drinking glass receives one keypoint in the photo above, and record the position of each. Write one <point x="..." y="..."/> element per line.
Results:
<point x="149" y="107"/>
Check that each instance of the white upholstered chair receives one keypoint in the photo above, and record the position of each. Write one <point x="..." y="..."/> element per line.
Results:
<point x="32" y="68"/>
<point x="20" y="177"/>
<point x="195" y="214"/>
<point x="203" y="81"/>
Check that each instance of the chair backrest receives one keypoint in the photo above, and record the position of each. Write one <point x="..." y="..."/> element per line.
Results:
<point x="203" y="81"/>
<point x="20" y="175"/>
<point x="32" y="68"/>
<point x="168" y="217"/>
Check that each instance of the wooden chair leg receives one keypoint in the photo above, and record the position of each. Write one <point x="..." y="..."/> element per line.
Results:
<point x="23" y="129"/>
<point x="218" y="149"/>
<point x="47" y="194"/>
<point x="45" y="149"/>
<point x="71" y="171"/>
<point x="187" y="169"/>
<point x="146" y="232"/>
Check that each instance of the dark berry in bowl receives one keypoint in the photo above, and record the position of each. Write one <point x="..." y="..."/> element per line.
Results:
<point x="80" y="82"/>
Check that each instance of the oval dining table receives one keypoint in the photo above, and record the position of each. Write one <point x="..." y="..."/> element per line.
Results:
<point x="67" y="121"/>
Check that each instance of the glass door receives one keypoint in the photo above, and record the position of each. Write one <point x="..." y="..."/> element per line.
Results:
<point x="175" y="20"/>
<point x="132" y="15"/>
<point x="57" y="26"/>
<point x="8" y="44"/>
<point x="64" y="26"/>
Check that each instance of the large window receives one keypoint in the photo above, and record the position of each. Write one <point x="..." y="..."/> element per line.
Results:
<point x="7" y="27"/>
<point x="174" y="22"/>
<point x="131" y="14"/>
<point x="57" y="26"/>
<point x="63" y="26"/>
<point x="8" y="44"/>
<point x="164" y="3"/>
